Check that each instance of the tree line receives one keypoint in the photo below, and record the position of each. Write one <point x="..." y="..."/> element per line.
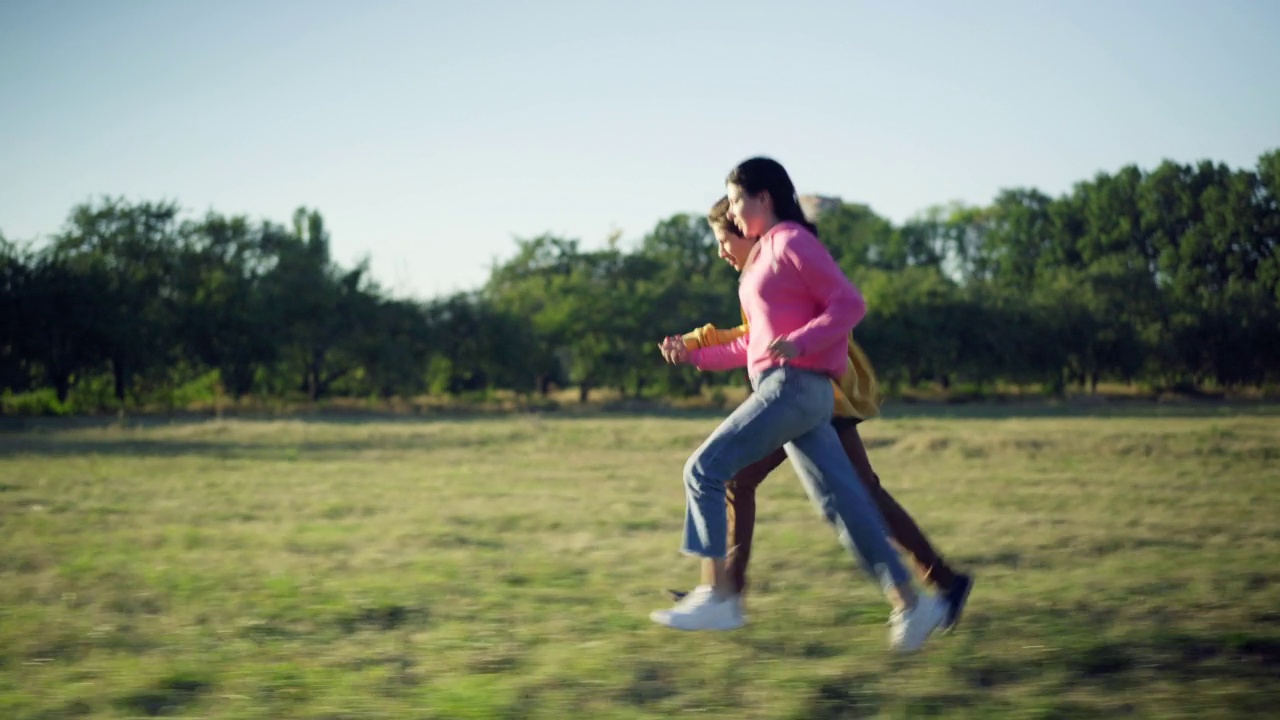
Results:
<point x="1168" y="277"/>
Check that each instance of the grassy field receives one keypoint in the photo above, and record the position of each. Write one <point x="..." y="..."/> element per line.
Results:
<point x="1128" y="565"/>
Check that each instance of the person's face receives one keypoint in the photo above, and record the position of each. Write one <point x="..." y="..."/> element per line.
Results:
<point x="734" y="248"/>
<point x="753" y="214"/>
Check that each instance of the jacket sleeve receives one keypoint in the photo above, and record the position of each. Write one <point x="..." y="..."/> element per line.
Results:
<point x="709" y="335"/>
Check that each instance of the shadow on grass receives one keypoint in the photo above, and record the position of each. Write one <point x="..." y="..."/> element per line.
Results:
<point x="848" y="696"/>
<point x="168" y="697"/>
<point x="1087" y="660"/>
<point x="1125" y="664"/>
<point x="650" y="683"/>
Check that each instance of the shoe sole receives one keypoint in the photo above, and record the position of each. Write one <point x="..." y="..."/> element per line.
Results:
<point x="901" y="650"/>
<point x="935" y="630"/>
<point x="664" y="621"/>
<point x="947" y="627"/>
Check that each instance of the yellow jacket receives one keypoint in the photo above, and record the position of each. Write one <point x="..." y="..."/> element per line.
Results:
<point x="857" y="393"/>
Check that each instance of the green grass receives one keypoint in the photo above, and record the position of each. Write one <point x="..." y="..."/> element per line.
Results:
<point x="503" y="567"/>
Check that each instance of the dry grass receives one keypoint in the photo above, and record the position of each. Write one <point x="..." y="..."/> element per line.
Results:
<point x="504" y="567"/>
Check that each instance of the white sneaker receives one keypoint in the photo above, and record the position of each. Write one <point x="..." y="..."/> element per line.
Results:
<point x="700" y="610"/>
<point x="908" y="630"/>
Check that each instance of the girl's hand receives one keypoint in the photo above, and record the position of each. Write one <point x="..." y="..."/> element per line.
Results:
<point x="673" y="350"/>
<point x="784" y="349"/>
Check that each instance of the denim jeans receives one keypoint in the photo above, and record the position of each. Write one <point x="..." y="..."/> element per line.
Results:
<point x="790" y="408"/>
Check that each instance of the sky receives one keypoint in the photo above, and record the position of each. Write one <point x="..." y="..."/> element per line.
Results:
<point x="430" y="135"/>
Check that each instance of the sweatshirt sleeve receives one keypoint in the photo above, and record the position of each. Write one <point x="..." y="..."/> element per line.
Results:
<point x="721" y="357"/>
<point x="842" y="303"/>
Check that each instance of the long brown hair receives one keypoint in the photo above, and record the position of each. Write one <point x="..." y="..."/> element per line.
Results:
<point x="762" y="174"/>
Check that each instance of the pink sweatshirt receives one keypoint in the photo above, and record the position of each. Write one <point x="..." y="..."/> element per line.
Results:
<point x="794" y="290"/>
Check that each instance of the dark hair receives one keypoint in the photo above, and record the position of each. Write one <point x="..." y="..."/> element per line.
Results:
<point x="762" y="174"/>
<point x="718" y="217"/>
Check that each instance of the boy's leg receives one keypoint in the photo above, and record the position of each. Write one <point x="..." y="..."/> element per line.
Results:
<point x="741" y="495"/>
<point x="901" y="526"/>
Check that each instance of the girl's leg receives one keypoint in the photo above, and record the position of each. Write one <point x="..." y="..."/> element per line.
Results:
<point x="740" y="494"/>
<point x="904" y="531"/>
<point x="901" y="526"/>
<point x="762" y="423"/>
<point x="833" y="486"/>
<point x="766" y="420"/>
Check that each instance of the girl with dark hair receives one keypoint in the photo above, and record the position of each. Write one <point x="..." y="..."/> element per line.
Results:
<point x="857" y="398"/>
<point x="800" y="309"/>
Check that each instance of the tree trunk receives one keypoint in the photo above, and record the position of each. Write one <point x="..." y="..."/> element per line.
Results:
<point x="62" y="386"/>
<point x="119" y="374"/>
<point x="240" y="377"/>
<point x="313" y="376"/>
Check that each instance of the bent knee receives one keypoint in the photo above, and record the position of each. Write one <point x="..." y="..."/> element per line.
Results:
<point x="694" y="473"/>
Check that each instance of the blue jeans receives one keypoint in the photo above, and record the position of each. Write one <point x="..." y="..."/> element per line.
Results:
<point x="790" y="408"/>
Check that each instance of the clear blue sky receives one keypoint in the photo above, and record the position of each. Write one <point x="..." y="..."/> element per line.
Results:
<point x="429" y="134"/>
